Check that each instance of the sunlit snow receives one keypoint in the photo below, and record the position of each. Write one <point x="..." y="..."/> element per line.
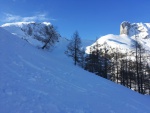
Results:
<point x="37" y="81"/>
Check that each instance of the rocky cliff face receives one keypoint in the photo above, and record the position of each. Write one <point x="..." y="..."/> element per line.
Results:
<point x="131" y="29"/>
<point x="124" y="28"/>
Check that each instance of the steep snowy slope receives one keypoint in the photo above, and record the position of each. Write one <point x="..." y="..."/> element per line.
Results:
<point x="37" y="81"/>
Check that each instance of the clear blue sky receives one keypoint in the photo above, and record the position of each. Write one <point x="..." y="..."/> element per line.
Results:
<point x="91" y="18"/>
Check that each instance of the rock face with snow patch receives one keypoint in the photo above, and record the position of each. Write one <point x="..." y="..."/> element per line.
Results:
<point x="129" y="34"/>
<point x="124" y="28"/>
<point x="142" y="30"/>
<point x="33" y="32"/>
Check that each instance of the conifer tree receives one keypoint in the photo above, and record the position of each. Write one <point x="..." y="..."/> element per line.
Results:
<point x="74" y="48"/>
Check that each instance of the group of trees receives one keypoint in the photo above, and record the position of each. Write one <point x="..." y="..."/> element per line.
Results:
<point x="128" y="68"/>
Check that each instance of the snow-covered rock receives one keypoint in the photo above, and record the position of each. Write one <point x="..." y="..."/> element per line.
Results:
<point x="32" y="32"/>
<point x="129" y="34"/>
<point x="140" y="29"/>
<point x="124" y="28"/>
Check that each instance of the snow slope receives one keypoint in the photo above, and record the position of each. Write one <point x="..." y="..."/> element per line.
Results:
<point x="114" y="41"/>
<point x="37" y="81"/>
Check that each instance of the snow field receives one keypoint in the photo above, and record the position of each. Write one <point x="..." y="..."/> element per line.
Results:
<point x="37" y="81"/>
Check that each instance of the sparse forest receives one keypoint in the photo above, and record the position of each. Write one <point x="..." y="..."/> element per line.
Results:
<point x="129" y="68"/>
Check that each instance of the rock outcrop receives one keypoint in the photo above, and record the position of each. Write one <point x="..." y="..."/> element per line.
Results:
<point x="125" y="27"/>
<point x="142" y="30"/>
<point x="33" y="32"/>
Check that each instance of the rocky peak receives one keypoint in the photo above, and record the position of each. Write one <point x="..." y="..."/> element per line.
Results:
<point x="131" y="29"/>
<point x="125" y="27"/>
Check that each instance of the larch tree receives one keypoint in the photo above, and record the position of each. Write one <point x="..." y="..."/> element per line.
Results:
<point x="74" y="48"/>
<point x="52" y="36"/>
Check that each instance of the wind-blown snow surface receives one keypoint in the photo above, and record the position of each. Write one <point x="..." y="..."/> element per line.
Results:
<point x="37" y="81"/>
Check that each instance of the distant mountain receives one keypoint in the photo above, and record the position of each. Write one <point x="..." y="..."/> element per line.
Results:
<point x="114" y="41"/>
<point x="129" y="34"/>
<point x="131" y="29"/>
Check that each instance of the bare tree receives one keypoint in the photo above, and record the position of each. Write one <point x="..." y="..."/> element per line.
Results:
<point x="52" y="36"/>
<point x="74" y="48"/>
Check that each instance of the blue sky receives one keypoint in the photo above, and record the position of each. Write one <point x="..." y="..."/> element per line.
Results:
<point x="91" y="18"/>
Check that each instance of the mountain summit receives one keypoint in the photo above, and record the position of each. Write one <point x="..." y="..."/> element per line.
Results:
<point x="140" y="29"/>
<point x="129" y="34"/>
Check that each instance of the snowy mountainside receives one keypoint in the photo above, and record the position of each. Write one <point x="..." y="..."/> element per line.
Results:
<point x="37" y="81"/>
<point x="33" y="32"/>
<point x="137" y="31"/>
<point x="129" y="34"/>
<point x="114" y="41"/>
<point x="140" y="29"/>
<point x="30" y="31"/>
